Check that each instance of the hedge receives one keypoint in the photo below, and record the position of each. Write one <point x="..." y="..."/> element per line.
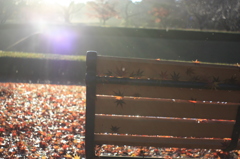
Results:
<point x="41" y="68"/>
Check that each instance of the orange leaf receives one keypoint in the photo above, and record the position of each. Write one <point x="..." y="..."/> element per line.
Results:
<point x="192" y="101"/>
<point x="196" y="61"/>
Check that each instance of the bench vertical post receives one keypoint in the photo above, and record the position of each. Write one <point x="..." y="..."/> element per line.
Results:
<point x="235" y="133"/>
<point x="90" y="103"/>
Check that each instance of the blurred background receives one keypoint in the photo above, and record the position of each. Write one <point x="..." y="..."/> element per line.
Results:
<point x="161" y="14"/>
<point x="206" y="30"/>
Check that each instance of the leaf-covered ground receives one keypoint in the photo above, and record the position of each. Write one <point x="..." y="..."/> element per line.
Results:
<point x="48" y="121"/>
<point x="38" y="121"/>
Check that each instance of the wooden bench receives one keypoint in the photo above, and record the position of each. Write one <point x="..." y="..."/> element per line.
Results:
<point x="143" y="102"/>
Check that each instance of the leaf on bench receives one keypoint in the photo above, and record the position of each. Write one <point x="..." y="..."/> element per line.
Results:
<point x="121" y="72"/>
<point x="196" y="62"/>
<point x="163" y="75"/>
<point x="136" y="95"/>
<point x="193" y="100"/>
<point x="175" y="76"/>
<point x="168" y="108"/>
<point x="164" y="126"/>
<point x="120" y="102"/>
<point x="206" y="94"/>
<point x="138" y="74"/>
<point x="160" y="141"/>
<point x="203" y="72"/>
<point x="109" y="73"/>
<point x="192" y="104"/>
<point x="119" y="93"/>
<point x="190" y="71"/>
<point x="115" y="129"/>
<point x="232" y="80"/>
<point x="216" y="79"/>
<point x="195" y="79"/>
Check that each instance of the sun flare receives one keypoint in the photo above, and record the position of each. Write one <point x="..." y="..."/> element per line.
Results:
<point x="64" y="2"/>
<point x="67" y="2"/>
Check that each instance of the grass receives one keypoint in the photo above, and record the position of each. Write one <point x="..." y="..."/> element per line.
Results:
<point x="41" y="56"/>
<point x="80" y="58"/>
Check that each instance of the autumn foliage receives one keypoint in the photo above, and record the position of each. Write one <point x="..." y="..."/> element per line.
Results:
<point x="159" y="13"/>
<point x="102" y="10"/>
<point x="42" y="121"/>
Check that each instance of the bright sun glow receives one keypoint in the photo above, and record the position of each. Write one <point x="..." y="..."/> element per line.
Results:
<point x="67" y="2"/>
<point x="64" y="2"/>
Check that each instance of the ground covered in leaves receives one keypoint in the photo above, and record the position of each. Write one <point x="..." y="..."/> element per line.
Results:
<point x="48" y="121"/>
<point x="38" y="121"/>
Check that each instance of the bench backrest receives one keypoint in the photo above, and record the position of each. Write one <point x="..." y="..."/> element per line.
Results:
<point x="143" y="102"/>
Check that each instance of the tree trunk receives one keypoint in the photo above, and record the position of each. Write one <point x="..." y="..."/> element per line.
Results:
<point x="66" y="16"/>
<point x="104" y="21"/>
<point x="126" y="14"/>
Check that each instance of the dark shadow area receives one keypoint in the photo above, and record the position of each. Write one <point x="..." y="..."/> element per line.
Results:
<point x="126" y="42"/>
<point x="44" y="71"/>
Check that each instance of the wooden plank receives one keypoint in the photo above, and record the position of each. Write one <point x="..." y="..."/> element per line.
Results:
<point x="165" y="70"/>
<point x="168" y="92"/>
<point x="165" y="127"/>
<point x="160" y="141"/>
<point x="164" y="108"/>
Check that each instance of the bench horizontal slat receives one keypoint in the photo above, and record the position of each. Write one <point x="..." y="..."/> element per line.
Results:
<point x="165" y="70"/>
<point x="169" y="92"/>
<point x="165" y="127"/>
<point x="164" y="108"/>
<point x="160" y="141"/>
<point x="167" y="83"/>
